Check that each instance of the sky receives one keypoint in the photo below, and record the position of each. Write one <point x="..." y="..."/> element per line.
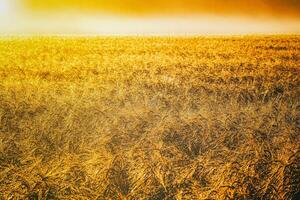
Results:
<point x="156" y="17"/>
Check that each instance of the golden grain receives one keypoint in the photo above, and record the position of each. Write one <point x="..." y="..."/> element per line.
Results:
<point x="150" y="118"/>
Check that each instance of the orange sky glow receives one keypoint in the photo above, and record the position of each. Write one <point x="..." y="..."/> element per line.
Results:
<point x="156" y="17"/>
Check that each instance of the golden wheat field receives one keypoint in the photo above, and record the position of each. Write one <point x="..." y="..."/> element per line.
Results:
<point x="150" y="118"/>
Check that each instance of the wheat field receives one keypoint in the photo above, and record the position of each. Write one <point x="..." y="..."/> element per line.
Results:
<point x="150" y="117"/>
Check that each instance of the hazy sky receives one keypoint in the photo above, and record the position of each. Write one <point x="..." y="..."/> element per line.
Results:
<point x="280" y="8"/>
<point x="156" y="17"/>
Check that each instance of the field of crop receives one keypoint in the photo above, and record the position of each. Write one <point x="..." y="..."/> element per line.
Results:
<point x="150" y="118"/>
